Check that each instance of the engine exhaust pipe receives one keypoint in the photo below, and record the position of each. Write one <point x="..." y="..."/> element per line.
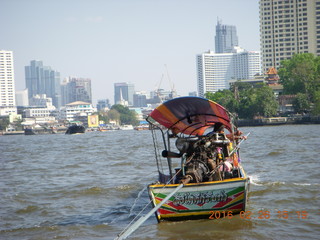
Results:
<point x="168" y="154"/>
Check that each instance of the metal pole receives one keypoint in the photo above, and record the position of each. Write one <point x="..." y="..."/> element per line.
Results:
<point x="141" y="220"/>
<point x="238" y="145"/>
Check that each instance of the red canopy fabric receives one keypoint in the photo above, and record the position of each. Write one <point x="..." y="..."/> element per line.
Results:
<point x="191" y="115"/>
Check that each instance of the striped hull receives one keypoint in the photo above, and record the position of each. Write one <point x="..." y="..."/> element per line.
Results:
<point x="195" y="201"/>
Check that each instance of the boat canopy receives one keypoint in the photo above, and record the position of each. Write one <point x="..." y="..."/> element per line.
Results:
<point x="191" y="115"/>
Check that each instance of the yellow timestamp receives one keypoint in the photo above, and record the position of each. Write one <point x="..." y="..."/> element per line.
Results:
<point x="262" y="214"/>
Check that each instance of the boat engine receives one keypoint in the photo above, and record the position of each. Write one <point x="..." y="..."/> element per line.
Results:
<point x="203" y="156"/>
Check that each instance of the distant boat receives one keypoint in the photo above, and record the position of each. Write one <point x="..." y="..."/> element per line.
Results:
<point x="141" y="127"/>
<point x="126" y="127"/>
<point x="75" y="129"/>
<point x="29" y="131"/>
<point x="102" y="129"/>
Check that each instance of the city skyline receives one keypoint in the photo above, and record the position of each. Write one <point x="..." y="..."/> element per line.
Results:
<point x="127" y="41"/>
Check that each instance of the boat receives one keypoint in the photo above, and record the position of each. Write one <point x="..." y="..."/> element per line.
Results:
<point x="29" y="131"/>
<point x="197" y="155"/>
<point x="75" y="129"/>
<point x="126" y="127"/>
<point x="141" y="127"/>
<point x="100" y="129"/>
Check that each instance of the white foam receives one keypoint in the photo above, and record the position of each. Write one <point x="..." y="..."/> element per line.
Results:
<point x="302" y="184"/>
<point x="254" y="179"/>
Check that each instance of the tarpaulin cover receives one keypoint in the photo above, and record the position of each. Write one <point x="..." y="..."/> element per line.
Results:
<point x="190" y="115"/>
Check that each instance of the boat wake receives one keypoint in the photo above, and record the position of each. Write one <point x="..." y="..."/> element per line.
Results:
<point x="256" y="181"/>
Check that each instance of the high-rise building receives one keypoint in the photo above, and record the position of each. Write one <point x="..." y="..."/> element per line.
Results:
<point x="140" y="99"/>
<point x="22" y="98"/>
<point x="123" y="92"/>
<point x="43" y="80"/>
<point x="226" y="38"/>
<point x="103" y="104"/>
<point x="76" y="89"/>
<point x="287" y="28"/>
<point x="215" y="70"/>
<point x="7" y="88"/>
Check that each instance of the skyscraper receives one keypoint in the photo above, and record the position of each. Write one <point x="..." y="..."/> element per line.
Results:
<point x="123" y="91"/>
<point x="7" y="92"/>
<point x="226" y="38"/>
<point x="76" y="89"/>
<point x="215" y="70"/>
<point x="43" y="80"/>
<point x="288" y="27"/>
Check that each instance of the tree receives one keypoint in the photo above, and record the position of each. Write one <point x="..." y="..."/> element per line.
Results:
<point x="225" y="98"/>
<point x="316" y="106"/>
<point x="247" y="101"/>
<point x="266" y="103"/>
<point x="300" y="74"/>
<point x="301" y="104"/>
<point x="247" y="106"/>
<point x="126" y="116"/>
<point x="113" y="114"/>
<point x="4" y="123"/>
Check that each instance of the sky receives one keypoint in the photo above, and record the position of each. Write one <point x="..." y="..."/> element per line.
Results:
<point x="150" y="43"/>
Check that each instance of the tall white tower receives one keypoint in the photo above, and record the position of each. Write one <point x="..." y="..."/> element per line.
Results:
<point x="7" y="88"/>
<point x="216" y="70"/>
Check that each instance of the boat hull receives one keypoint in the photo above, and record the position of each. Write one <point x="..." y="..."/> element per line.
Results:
<point x="201" y="200"/>
<point x="75" y="129"/>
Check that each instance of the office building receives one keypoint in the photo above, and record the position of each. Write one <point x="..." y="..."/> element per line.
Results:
<point x="193" y="94"/>
<point x="7" y="84"/>
<point x="43" y="80"/>
<point x="216" y="70"/>
<point x="226" y="38"/>
<point x="103" y="104"/>
<point x="140" y="99"/>
<point x="123" y="92"/>
<point x="76" y="89"/>
<point x="288" y="27"/>
<point x="76" y="110"/>
<point x="22" y="98"/>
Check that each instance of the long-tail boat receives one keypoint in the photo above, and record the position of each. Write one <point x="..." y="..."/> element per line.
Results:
<point x="197" y="154"/>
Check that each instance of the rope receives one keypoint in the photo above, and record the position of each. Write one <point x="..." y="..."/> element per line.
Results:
<point x="138" y="215"/>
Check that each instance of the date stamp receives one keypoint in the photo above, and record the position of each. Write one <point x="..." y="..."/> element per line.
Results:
<point x="262" y="214"/>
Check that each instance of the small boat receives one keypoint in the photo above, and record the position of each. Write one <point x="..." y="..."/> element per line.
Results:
<point x="75" y="129"/>
<point x="29" y="131"/>
<point x="141" y="127"/>
<point x="126" y="127"/>
<point x="199" y="161"/>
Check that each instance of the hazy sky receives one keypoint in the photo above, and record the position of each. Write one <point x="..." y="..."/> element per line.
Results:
<point x="112" y="41"/>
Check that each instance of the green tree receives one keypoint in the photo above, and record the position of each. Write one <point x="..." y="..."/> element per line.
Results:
<point x="225" y="98"/>
<point x="247" y="101"/>
<point x="113" y="114"/>
<point x="247" y="106"/>
<point x="4" y="123"/>
<point x="301" y="104"/>
<point x="316" y="106"/>
<point x="300" y="74"/>
<point x="126" y="115"/>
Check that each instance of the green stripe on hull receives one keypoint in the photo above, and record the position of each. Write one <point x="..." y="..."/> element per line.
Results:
<point x="203" y="210"/>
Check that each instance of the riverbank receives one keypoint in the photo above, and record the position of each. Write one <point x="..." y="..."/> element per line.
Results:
<point x="278" y="121"/>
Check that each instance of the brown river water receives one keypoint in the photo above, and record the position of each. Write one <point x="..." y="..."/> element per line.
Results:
<point x="91" y="186"/>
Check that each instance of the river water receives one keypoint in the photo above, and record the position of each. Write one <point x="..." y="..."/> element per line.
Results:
<point x="91" y="186"/>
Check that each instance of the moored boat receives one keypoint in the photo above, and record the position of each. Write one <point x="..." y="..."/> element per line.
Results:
<point x="75" y="129"/>
<point x="208" y="173"/>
